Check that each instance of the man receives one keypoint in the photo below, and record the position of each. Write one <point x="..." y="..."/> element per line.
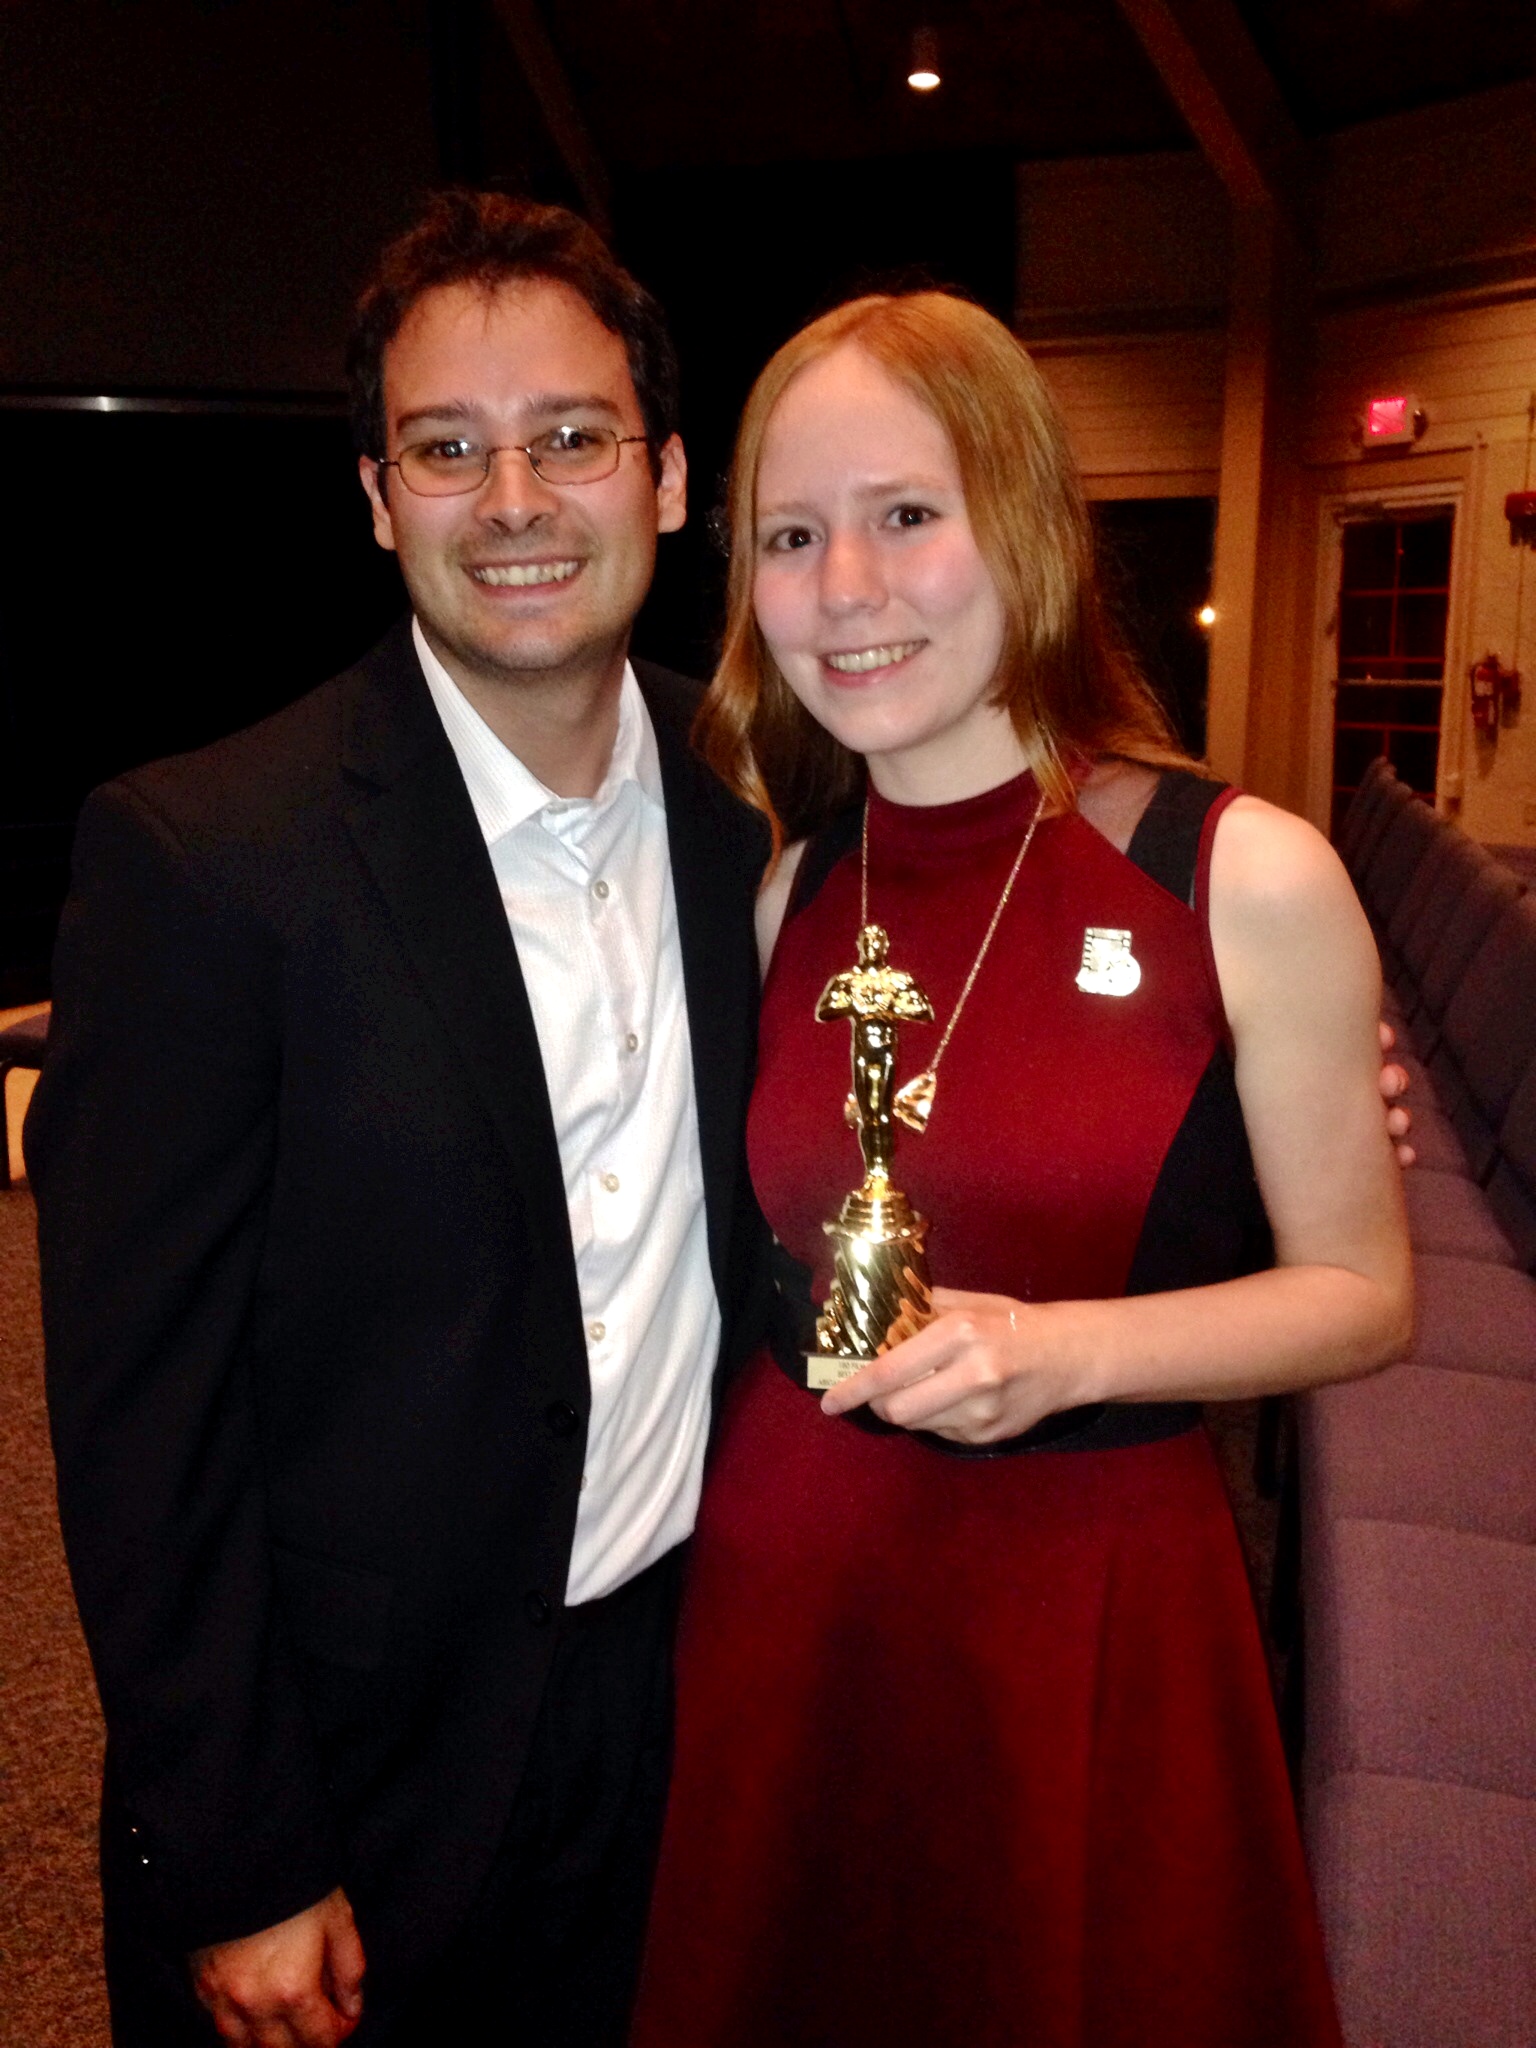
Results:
<point x="395" y="1223"/>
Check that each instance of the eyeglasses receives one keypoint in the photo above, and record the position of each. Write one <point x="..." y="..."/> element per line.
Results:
<point x="565" y="455"/>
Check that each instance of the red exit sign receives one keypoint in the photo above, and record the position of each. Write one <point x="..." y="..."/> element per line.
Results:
<point x="1391" y="422"/>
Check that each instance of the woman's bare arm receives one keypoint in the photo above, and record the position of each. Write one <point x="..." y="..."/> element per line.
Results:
<point x="1302" y="991"/>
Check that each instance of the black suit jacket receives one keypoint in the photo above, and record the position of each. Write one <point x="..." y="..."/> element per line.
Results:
<point x="316" y="1364"/>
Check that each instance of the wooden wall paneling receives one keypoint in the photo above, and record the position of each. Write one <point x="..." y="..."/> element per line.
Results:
<point x="1139" y="407"/>
<point x="1471" y="368"/>
<point x="1422" y="197"/>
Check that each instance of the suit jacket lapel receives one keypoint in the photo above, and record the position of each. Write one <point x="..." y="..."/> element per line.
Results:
<point x="713" y="894"/>
<point x="411" y="818"/>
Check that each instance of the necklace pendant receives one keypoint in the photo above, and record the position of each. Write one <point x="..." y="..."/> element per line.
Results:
<point x="913" y="1104"/>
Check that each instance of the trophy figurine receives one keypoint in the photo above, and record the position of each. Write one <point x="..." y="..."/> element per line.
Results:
<point x="880" y="1290"/>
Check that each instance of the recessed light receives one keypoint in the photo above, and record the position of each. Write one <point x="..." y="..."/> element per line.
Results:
<point x="924" y="74"/>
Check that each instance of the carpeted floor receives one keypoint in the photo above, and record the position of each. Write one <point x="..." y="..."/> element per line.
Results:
<point x="50" y="1730"/>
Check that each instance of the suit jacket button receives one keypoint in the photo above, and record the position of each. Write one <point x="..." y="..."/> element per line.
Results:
<point x="536" y="1607"/>
<point x="562" y="1418"/>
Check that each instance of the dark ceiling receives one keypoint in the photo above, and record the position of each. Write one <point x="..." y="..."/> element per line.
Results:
<point x="692" y="81"/>
<point x="1341" y="61"/>
<point x="697" y="82"/>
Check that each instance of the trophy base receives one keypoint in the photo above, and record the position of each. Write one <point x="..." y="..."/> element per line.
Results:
<point x="881" y="1292"/>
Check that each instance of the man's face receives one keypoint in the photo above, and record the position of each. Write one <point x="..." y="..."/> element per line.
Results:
<point x="520" y="577"/>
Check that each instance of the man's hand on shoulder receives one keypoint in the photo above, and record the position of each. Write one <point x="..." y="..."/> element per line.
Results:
<point x="296" y="1985"/>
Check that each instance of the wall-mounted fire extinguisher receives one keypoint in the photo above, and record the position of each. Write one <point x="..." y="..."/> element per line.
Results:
<point x="1495" y="694"/>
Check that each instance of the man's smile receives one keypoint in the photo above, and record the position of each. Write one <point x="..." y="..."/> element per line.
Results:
<point x="519" y="575"/>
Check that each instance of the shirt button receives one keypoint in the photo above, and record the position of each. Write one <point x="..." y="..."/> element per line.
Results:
<point x="632" y="1041"/>
<point x="597" y="1332"/>
<point x="561" y="1418"/>
<point x="600" y="890"/>
<point x="611" y="1183"/>
<point x="536" y="1607"/>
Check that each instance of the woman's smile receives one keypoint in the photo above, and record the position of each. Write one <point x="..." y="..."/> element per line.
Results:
<point x="863" y="661"/>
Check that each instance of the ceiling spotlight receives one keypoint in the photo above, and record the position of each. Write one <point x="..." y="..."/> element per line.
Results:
<point x="1206" y="615"/>
<point x="924" y="75"/>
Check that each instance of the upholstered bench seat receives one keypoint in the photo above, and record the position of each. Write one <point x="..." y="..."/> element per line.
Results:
<point x="1452" y="1450"/>
<point x="1433" y="1138"/>
<point x="1474" y="1317"/>
<point x="1444" y="1875"/>
<point x="1419" y="1659"/>
<point x="1448" y="1214"/>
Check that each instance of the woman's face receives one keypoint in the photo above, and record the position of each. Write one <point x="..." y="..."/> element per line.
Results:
<point x="869" y="587"/>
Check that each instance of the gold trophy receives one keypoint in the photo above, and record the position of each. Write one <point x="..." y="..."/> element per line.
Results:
<point x="880" y="1290"/>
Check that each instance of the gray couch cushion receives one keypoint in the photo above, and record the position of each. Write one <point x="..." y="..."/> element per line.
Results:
<point x="1512" y="1187"/>
<point x="1438" y="856"/>
<point x="1448" y="1214"/>
<point x="1386" y="803"/>
<point x="1464" y="863"/>
<point x="1453" y="1450"/>
<point x="1474" y="1317"/>
<point x="1419" y="1657"/>
<point x="1367" y="801"/>
<point x="1428" y="1900"/>
<point x="1517" y="1133"/>
<point x="1394" y="860"/>
<point x="1514" y="1210"/>
<point x="1490" y="1025"/>
<point x="1433" y="1138"/>
<point x="1475" y="1134"/>
<point x="1491" y="890"/>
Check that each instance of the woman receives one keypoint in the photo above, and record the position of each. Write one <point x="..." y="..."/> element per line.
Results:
<point x="975" y="1744"/>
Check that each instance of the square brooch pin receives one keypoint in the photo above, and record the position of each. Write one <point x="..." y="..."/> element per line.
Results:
<point x="1109" y="967"/>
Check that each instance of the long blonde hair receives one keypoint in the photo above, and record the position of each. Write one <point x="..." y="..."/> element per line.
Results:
<point x="1068" y="685"/>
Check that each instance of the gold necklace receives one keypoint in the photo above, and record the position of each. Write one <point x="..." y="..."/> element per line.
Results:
<point x="914" y="1102"/>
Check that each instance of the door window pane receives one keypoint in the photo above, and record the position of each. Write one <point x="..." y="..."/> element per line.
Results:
<point x="1426" y="560"/>
<point x="1393" y="598"/>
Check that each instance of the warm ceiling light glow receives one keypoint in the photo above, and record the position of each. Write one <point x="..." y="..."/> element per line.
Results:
<point x="1206" y="615"/>
<point x="924" y="75"/>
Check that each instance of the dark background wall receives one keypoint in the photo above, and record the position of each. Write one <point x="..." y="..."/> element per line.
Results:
<point x="192" y="192"/>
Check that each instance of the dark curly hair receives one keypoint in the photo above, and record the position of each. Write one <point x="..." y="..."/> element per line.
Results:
<point x="487" y="239"/>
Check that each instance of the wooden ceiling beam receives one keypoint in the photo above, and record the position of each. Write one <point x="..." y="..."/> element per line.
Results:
<point x="540" y="64"/>
<point x="1228" y="98"/>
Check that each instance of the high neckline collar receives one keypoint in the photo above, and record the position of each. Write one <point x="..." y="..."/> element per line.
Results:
<point x="974" y="821"/>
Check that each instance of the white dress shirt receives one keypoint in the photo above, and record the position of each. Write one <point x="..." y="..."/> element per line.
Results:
<point x="587" y="886"/>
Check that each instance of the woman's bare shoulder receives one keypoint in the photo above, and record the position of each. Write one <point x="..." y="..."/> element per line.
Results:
<point x="1269" y="862"/>
<point x="1285" y="920"/>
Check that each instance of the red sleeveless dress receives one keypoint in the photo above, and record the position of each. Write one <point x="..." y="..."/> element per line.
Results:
<point x="978" y="1751"/>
